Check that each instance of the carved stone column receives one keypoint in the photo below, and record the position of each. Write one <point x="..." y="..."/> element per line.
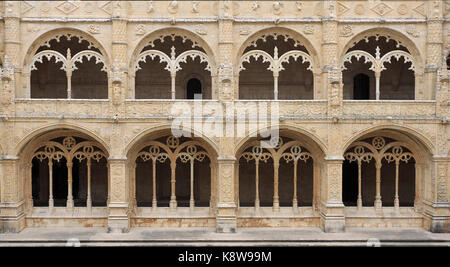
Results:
<point x="12" y="38"/>
<point x="119" y="53"/>
<point x="118" y="218"/>
<point x="7" y="91"/>
<point x="12" y="207"/>
<point x="332" y="208"/>
<point x="434" y="49"/>
<point x="442" y="94"/>
<point x="330" y="58"/>
<point x="226" y="207"/>
<point x="225" y="182"/>
<point x="439" y="210"/>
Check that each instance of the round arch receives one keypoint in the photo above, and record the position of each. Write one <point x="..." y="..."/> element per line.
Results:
<point x="393" y="34"/>
<point x="163" y="130"/>
<point x="50" y="34"/>
<point x="280" y="31"/>
<point x="313" y="142"/>
<point x="419" y="143"/>
<point x="156" y="34"/>
<point x="58" y="128"/>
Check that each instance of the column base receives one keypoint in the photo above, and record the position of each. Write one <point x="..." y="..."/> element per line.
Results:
<point x="226" y="225"/>
<point x="331" y="224"/>
<point x="440" y="224"/>
<point x="12" y="219"/>
<point x="333" y="218"/>
<point x="226" y="219"/>
<point x="118" y="219"/>
<point x="440" y="218"/>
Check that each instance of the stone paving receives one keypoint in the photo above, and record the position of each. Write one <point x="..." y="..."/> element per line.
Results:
<point x="207" y="236"/>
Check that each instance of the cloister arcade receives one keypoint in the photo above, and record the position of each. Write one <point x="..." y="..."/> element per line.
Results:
<point x="272" y="66"/>
<point x="87" y="112"/>
<point x="378" y="67"/>
<point x="278" y="176"/>
<point x="65" y="172"/>
<point x="68" y="65"/>
<point x="276" y="66"/>
<point x="171" y="66"/>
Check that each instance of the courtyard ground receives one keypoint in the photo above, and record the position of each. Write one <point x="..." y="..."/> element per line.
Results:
<point x="207" y="237"/>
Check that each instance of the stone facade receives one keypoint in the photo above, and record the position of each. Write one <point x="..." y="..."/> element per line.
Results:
<point x="112" y="134"/>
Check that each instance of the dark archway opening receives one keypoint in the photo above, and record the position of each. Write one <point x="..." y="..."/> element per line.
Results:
<point x="448" y="62"/>
<point x="349" y="183"/>
<point x="60" y="182"/>
<point x="193" y="87"/>
<point x="361" y="87"/>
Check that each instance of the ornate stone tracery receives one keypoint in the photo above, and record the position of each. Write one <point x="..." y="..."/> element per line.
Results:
<point x="378" y="149"/>
<point x="378" y="62"/>
<point x="275" y="62"/>
<point x="172" y="62"/>
<point x="292" y="151"/>
<point x="68" y="62"/>
<point x="172" y="150"/>
<point x="68" y="149"/>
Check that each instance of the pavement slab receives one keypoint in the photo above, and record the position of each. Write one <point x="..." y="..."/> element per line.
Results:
<point x="207" y="236"/>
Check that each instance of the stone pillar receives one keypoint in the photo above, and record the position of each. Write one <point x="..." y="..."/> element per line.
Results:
<point x="225" y="182"/>
<point x="118" y="218"/>
<point x="12" y="38"/>
<point x="332" y="208"/>
<point x="434" y="49"/>
<point x="11" y="204"/>
<point x="226" y="207"/>
<point x="119" y="195"/>
<point x="442" y="93"/>
<point x="330" y="58"/>
<point x="119" y="45"/>
<point x="439" y="210"/>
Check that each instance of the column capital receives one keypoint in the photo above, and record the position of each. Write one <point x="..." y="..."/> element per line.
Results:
<point x="8" y="158"/>
<point x="117" y="159"/>
<point x="226" y="159"/>
<point x="335" y="159"/>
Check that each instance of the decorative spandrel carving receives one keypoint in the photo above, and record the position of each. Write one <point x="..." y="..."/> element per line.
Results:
<point x="172" y="8"/>
<point x="277" y="7"/>
<point x="67" y="7"/>
<point x="420" y="9"/>
<point x="381" y="9"/>
<point x="342" y="8"/>
<point x="26" y="6"/>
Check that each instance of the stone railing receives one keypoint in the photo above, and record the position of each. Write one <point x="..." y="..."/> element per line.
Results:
<point x="397" y="108"/>
<point x="167" y="108"/>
